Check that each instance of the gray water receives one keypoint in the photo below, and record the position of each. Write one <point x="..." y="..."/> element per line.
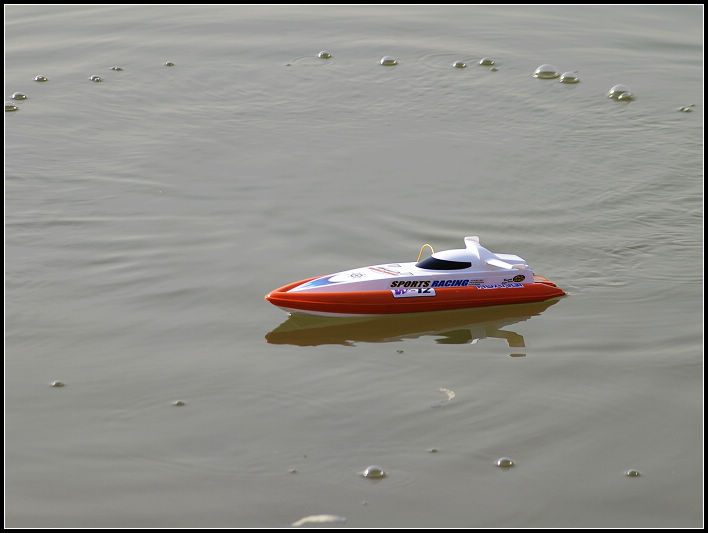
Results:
<point x="147" y="215"/>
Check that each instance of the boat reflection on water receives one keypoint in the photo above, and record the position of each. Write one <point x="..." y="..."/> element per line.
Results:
<point x="450" y="327"/>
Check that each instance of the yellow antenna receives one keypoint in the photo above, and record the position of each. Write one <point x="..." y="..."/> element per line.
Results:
<point x="422" y="248"/>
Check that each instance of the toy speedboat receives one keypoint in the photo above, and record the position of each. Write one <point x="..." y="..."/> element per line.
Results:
<point x="452" y="279"/>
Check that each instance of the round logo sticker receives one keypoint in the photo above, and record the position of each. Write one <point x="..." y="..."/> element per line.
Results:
<point x="519" y="278"/>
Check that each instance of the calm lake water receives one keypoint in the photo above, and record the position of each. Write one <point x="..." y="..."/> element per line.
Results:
<point x="147" y="215"/>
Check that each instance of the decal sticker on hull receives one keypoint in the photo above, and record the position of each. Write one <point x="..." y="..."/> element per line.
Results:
<point x="318" y="282"/>
<point x="410" y="284"/>
<point x="451" y="283"/>
<point x="412" y="293"/>
<point x="502" y="286"/>
<point x="436" y="283"/>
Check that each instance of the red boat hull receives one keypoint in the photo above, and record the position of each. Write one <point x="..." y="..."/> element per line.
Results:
<point x="374" y="303"/>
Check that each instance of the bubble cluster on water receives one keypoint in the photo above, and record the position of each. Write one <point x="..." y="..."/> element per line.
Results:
<point x="621" y="93"/>
<point x="569" y="77"/>
<point x="546" y="72"/>
<point x="374" y="472"/>
<point x="505" y="462"/>
<point x="551" y="72"/>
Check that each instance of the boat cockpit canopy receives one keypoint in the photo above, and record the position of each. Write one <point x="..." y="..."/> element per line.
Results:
<point x="434" y="263"/>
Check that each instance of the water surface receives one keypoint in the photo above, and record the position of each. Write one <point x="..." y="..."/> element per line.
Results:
<point x="147" y="215"/>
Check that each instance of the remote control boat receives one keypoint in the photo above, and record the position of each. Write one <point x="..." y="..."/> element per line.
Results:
<point x="451" y="279"/>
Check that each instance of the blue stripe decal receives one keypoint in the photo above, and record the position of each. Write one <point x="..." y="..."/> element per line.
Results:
<point x="319" y="282"/>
